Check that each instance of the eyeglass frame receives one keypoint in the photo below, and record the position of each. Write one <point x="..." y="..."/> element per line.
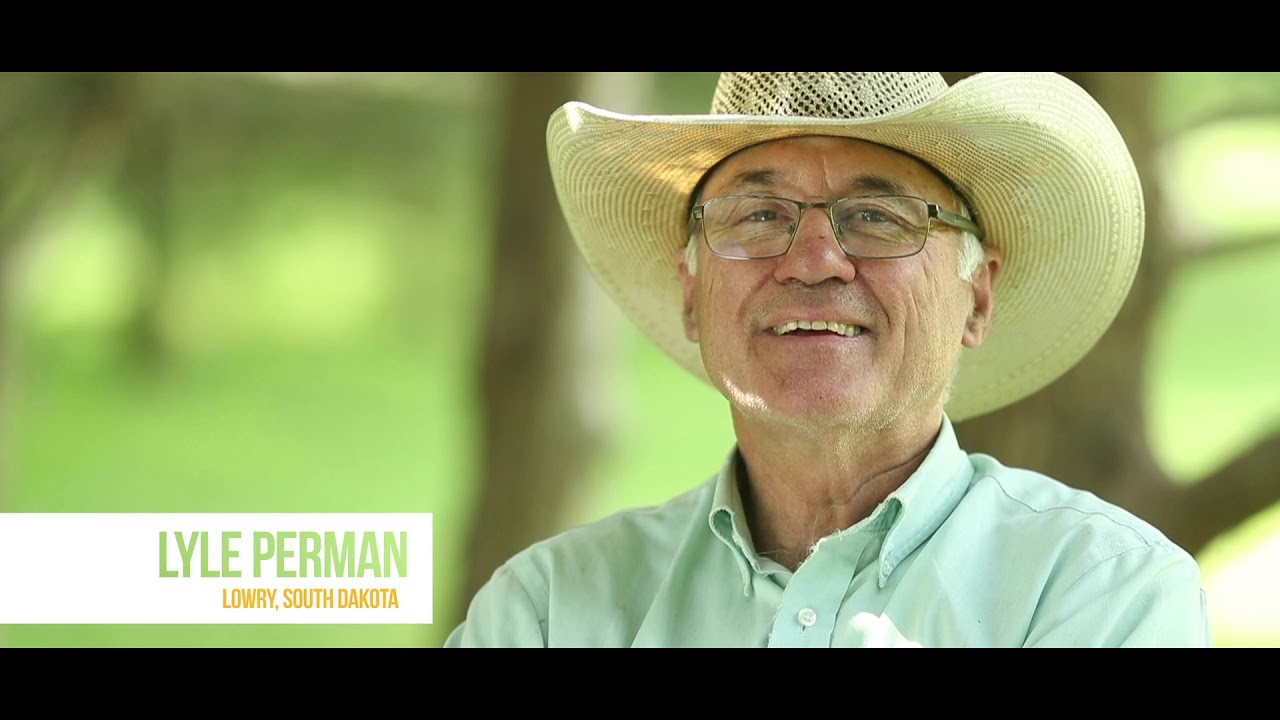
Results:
<point x="935" y="212"/>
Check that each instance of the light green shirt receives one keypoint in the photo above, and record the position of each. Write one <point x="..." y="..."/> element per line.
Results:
<point x="966" y="552"/>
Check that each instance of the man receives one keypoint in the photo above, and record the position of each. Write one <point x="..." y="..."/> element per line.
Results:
<point x="829" y="251"/>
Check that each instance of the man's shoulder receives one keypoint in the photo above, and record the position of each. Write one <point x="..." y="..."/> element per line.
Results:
<point x="595" y="580"/>
<point x="1090" y="572"/>
<point x="1028" y="499"/>
<point x="621" y="538"/>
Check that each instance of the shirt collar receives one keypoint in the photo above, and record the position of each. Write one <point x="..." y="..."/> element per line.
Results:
<point x="912" y="512"/>
<point x="926" y="498"/>
<point x="728" y="520"/>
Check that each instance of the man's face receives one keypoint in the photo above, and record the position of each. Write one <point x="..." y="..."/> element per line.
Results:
<point x="915" y="313"/>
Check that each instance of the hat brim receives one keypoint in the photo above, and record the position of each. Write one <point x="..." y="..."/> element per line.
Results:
<point x="1048" y="174"/>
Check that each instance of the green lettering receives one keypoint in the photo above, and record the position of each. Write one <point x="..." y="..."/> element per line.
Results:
<point x="228" y="553"/>
<point x="186" y="551"/>
<point x="345" y="559"/>
<point x="394" y="550"/>
<point x="261" y="553"/>
<point x="164" y="550"/>
<point x="309" y="550"/>
<point x="204" y="556"/>
<point x="284" y="553"/>
<point x="369" y="555"/>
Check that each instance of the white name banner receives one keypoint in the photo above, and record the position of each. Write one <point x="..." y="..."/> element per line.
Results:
<point x="197" y="568"/>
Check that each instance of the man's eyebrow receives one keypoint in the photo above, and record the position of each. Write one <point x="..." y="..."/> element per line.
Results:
<point x="763" y="177"/>
<point x="867" y="183"/>
<point x="877" y="184"/>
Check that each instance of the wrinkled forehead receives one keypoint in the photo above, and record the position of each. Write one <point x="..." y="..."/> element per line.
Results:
<point x="841" y="165"/>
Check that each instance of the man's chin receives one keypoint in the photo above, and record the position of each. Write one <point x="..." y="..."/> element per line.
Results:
<point x="814" y="411"/>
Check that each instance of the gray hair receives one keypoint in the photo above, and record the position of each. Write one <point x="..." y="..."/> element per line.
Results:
<point x="691" y="249"/>
<point x="970" y="250"/>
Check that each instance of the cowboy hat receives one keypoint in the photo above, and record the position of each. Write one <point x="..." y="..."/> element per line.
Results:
<point x="1046" y="173"/>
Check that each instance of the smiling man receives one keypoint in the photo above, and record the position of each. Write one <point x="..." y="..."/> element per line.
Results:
<point x="837" y="339"/>
<point x="855" y="261"/>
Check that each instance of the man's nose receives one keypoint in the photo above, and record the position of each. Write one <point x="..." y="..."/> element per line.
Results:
<point x="815" y="254"/>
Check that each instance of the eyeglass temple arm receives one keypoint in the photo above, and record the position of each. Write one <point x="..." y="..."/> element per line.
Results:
<point x="954" y="220"/>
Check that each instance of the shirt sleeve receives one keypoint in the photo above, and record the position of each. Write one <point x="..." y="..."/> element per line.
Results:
<point x="1144" y="597"/>
<point x="501" y="615"/>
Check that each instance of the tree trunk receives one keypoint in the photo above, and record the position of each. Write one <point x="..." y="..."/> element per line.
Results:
<point x="146" y="186"/>
<point x="538" y="442"/>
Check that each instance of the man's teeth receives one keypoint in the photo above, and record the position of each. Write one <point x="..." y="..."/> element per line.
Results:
<point x="829" y="325"/>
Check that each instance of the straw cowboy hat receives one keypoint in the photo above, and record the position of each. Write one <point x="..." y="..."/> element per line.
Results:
<point x="1047" y="175"/>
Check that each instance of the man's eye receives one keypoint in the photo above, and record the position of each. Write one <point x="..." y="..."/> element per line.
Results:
<point x="762" y="216"/>
<point x="869" y="215"/>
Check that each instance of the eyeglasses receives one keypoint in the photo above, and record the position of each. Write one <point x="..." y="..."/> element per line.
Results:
<point x="883" y="226"/>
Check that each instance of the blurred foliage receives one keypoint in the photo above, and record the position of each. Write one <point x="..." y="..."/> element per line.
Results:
<point x="1188" y="100"/>
<point x="316" y="285"/>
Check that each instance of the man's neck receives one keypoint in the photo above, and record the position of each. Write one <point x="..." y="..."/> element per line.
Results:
<point x="801" y="485"/>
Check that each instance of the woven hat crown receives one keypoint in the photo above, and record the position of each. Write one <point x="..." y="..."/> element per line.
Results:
<point x="834" y="95"/>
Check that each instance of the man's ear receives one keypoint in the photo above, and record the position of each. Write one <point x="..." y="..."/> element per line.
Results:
<point x="984" y="299"/>
<point x="687" y="283"/>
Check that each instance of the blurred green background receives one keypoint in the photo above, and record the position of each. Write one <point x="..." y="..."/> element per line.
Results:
<point x="266" y="292"/>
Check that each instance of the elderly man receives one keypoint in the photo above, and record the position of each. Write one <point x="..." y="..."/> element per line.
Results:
<point x="855" y="261"/>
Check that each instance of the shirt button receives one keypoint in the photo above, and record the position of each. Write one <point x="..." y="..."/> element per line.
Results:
<point x="807" y="617"/>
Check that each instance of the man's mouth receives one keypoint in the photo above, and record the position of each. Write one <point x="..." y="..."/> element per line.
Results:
<point x="811" y="327"/>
